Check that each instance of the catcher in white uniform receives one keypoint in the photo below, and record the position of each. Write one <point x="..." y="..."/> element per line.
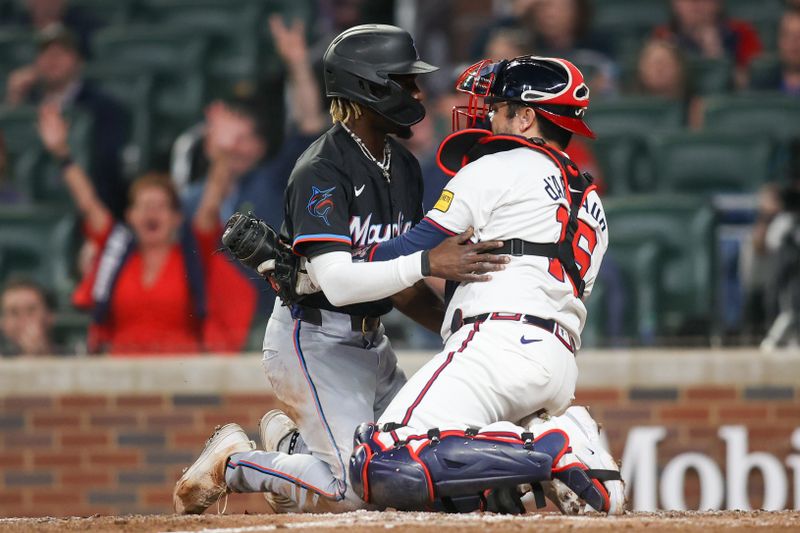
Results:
<point x="479" y="424"/>
<point x="509" y="343"/>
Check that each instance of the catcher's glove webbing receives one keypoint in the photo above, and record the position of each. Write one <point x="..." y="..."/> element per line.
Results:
<point x="252" y="242"/>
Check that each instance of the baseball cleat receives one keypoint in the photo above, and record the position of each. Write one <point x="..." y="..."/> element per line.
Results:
<point x="203" y="483"/>
<point x="587" y="473"/>
<point x="278" y="433"/>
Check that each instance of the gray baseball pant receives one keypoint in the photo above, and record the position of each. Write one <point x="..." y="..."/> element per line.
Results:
<point x="331" y="379"/>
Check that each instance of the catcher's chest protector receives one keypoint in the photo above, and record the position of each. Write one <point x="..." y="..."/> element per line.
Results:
<point x="466" y="146"/>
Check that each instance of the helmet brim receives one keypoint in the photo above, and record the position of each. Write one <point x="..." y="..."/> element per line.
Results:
<point x="575" y="125"/>
<point x="414" y="67"/>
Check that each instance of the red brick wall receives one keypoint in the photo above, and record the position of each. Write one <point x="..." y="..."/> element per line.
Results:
<point x="81" y="455"/>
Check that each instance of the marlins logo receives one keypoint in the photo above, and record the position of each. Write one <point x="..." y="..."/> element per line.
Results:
<point x="320" y="203"/>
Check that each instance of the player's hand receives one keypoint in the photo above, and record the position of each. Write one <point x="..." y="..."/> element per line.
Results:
<point x="457" y="259"/>
<point x="290" y="41"/>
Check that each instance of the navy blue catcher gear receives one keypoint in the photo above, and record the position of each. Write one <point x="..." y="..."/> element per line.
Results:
<point x="451" y="470"/>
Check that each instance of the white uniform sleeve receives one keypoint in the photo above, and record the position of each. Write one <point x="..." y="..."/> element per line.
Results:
<point x="470" y="197"/>
<point x="593" y="215"/>
<point x="345" y="282"/>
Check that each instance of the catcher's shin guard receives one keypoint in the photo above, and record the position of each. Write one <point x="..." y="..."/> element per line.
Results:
<point x="451" y="470"/>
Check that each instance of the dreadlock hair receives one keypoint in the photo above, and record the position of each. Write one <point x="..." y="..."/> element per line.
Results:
<point x="342" y="110"/>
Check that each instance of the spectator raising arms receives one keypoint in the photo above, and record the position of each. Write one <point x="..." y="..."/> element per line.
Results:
<point x="56" y="77"/>
<point x="26" y="319"/>
<point x="156" y="285"/>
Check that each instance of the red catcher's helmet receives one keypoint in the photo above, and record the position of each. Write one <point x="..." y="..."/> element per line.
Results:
<point x="553" y="87"/>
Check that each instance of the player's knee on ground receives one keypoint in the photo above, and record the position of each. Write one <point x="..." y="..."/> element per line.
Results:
<point x="448" y="470"/>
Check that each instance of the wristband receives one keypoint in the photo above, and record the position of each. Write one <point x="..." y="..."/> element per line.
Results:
<point x="63" y="163"/>
<point x="426" y="263"/>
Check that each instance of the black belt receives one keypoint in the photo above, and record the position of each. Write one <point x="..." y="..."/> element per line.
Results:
<point x="544" y="323"/>
<point x="518" y="247"/>
<point x="359" y="323"/>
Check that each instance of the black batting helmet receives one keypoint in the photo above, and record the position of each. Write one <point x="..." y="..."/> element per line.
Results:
<point x="358" y="64"/>
<point x="553" y="87"/>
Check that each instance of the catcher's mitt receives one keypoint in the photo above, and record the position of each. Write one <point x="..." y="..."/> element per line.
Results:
<point x="254" y="242"/>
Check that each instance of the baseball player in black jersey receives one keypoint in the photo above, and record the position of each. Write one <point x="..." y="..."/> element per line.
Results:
<point x="327" y="358"/>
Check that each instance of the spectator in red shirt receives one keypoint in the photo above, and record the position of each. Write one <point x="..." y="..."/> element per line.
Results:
<point x="156" y="286"/>
<point x="700" y="27"/>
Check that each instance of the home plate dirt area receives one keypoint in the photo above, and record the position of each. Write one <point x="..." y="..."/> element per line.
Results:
<point x="364" y="521"/>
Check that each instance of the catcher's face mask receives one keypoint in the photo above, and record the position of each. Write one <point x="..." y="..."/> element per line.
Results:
<point x="476" y="81"/>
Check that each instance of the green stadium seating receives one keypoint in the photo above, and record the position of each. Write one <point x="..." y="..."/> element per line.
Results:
<point x="176" y="63"/>
<point x="17" y="48"/>
<point x="762" y="70"/>
<point x="104" y="11"/>
<point x="711" y="76"/>
<point x="133" y="89"/>
<point x="70" y="330"/>
<point x="755" y="11"/>
<point x="28" y="241"/>
<point x="624" y="16"/>
<point x="758" y="114"/>
<point x="617" y="155"/>
<point x="711" y="162"/>
<point x="230" y="27"/>
<point x="665" y="244"/>
<point x="18" y="127"/>
<point x="635" y="115"/>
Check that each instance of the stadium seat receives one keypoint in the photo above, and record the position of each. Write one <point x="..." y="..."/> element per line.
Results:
<point x="230" y="27"/>
<point x="17" y="48"/>
<point x="70" y="331"/>
<point x="624" y="16"/>
<point x="176" y="63"/>
<point x="665" y="243"/>
<point x="133" y="89"/>
<point x="617" y="155"/>
<point x="18" y="126"/>
<point x="711" y="76"/>
<point x="764" y="70"/>
<point x="711" y="162"/>
<point x="28" y="241"/>
<point x="635" y="115"/>
<point x="758" y="114"/>
<point x="755" y="12"/>
<point x="105" y="12"/>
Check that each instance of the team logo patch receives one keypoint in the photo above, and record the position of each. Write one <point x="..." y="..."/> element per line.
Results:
<point x="444" y="201"/>
<point x="320" y="203"/>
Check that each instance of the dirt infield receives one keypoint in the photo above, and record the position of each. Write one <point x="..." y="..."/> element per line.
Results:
<point x="363" y="521"/>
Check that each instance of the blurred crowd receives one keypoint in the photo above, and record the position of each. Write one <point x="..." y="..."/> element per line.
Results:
<point x="147" y="274"/>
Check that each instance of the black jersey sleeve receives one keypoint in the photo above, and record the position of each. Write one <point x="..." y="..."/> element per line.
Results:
<point x="318" y="206"/>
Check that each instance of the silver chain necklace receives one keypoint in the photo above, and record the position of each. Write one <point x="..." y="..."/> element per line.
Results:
<point x="384" y="165"/>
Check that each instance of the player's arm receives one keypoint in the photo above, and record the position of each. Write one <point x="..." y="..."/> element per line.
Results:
<point x="345" y="282"/>
<point x="420" y="304"/>
<point x="53" y="132"/>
